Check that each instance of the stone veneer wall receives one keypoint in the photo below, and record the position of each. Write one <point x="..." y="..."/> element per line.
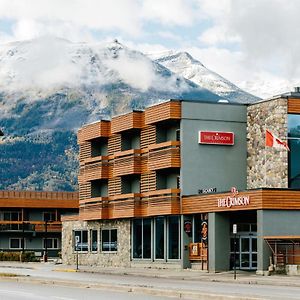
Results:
<point x="266" y="166"/>
<point x="119" y="259"/>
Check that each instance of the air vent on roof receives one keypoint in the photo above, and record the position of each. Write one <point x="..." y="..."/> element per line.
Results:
<point x="297" y="89"/>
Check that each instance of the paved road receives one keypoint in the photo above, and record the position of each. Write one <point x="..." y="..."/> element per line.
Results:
<point x="166" y="285"/>
<point x="27" y="291"/>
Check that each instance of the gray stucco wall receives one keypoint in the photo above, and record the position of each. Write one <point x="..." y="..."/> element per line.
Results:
<point x="218" y="242"/>
<point x="205" y="166"/>
<point x="274" y="223"/>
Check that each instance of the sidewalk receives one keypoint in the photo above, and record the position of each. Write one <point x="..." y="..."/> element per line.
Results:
<point x="192" y="284"/>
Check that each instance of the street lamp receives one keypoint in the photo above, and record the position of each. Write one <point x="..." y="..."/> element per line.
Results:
<point x="46" y="241"/>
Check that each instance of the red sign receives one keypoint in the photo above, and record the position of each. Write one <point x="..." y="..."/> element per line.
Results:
<point x="216" y="137"/>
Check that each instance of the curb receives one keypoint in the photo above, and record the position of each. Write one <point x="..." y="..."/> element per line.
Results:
<point x="149" y="290"/>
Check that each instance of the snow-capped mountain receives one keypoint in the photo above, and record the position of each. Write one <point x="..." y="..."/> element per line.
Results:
<point x="50" y="87"/>
<point x="182" y="63"/>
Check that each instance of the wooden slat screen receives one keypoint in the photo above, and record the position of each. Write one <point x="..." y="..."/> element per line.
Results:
<point x="132" y="120"/>
<point x="293" y="106"/>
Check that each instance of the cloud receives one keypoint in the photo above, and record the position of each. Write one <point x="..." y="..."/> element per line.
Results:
<point x="170" y="12"/>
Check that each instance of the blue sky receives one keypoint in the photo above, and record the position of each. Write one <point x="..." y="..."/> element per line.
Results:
<point x="250" y="42"/>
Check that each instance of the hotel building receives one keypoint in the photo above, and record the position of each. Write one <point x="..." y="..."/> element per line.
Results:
<point x="31" y="221"/>
<point x="163" y="188"/>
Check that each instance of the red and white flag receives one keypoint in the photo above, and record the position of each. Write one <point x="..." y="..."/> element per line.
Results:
<point x="273" y="141"/>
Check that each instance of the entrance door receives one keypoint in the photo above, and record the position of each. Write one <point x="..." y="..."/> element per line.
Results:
<point x="248" y="252"/>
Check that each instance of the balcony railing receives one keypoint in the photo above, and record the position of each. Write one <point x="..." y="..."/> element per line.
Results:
<point x="123" y="206"/>
<point x="164" y="155"/>
<point x="160" y="202"/>
<point x="127" y="162"/>
<point x="93" y="209"/>
<point x="37" y="226"/>
<point x="97" y="169"/>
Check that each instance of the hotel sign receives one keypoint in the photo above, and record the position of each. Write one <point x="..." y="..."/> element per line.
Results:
<point x="216" y="138"/>
<point x="233" y="200"/>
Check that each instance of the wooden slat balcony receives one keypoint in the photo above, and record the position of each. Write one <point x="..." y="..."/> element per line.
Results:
<point x="170" y="110"/>
<point x="164" y="155"/>
<point x="93" y="209"/>
<point x="160" y="202"/>
<point x="123" y="206"/>
<point x="93" y="131"/>
<point x="37" y="226"/>
<point x="127" y="162"/>
<point x="97" y="168"/>
<point x="134" y="120"/>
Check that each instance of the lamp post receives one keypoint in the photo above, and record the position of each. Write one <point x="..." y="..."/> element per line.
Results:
<point x="46" y="241"/>
<point x="234" y="231"/>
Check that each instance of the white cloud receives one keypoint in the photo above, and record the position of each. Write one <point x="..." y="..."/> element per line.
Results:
<point x="170" y="12"/>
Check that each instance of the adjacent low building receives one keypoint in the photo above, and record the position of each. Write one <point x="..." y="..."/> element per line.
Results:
<point x="31" y="221"/>
<point x="163" y="188"/>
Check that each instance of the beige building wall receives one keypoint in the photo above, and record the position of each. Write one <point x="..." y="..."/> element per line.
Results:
<point x="266" y="166"/>
<point x="121" y="258"/>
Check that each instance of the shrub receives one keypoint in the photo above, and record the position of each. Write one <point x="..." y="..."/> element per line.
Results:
<point x="15" y="256"/>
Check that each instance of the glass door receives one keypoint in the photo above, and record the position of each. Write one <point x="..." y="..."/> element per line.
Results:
<point x="248" y="252"/>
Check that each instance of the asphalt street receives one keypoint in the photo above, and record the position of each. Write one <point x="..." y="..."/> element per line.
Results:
<point x="31" y="291"/>
<point x="47" y="274"/>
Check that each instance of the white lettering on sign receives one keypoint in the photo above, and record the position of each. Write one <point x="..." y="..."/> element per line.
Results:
<point x="233" y="201"/>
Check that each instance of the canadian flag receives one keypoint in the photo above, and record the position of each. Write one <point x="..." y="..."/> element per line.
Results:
<point x="273" y="141"/>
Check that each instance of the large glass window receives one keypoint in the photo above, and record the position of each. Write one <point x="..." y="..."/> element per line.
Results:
<point x="173" y="237"/>
<point x="94" y="240"/>
<point x="294" y="153"/>
<point x="159" y="238"/>
<point x="109" y="240"/>
<point x="141" y="238"/>
<point x="81" y="240"/>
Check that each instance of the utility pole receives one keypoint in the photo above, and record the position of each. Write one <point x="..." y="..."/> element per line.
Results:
<point x="46" y="242"/>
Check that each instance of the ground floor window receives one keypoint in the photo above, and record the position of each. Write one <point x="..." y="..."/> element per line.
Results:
<point x="51" y="243"/>
<point x="16" y="243"/>
<point x="157" y="238"/>
<point x="142" y="238"/>
<point x="109" y="239"/>
<point x="173" y="237"/>
<point x="81" y="240"/>
<point x="94" y="240"/>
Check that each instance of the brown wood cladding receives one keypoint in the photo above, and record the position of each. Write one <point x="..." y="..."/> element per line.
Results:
<point x="164" y="155"/>
<point x="148" y="136"/>
<point x="259" y="199"/>
<point x="293" y="106"/>
<point x="94" y="171"/>
<point x="85" y="151"/>
<point x="163" y="202"/>
<point x="170" y="110"/>
<point x="114" y="144"/>
<point x="28" y="199"/>
<point x="127" y="162"/>
<point x="85" y="190"/>
<point x="148" y="182"/>
<point x="132" y="120"/>
<point x="93" y="131"/>
<point x="114" y="186"/>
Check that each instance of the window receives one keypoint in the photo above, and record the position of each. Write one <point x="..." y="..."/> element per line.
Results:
<point x="81" y="240"/>
<point x="142" y="238"/>
<point x="159" y="238"/>
<point x="52" y="243"/>
<point x="293" y="155"/>
<point x="173" y="237"/>
<point x="177" y="134"/>
<point x="16" y="243"/>
<point x="49" y="216"/>
<point x="13" y="216"/>
<point x="109" y="240"/>
<point x="94" y="240"/>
